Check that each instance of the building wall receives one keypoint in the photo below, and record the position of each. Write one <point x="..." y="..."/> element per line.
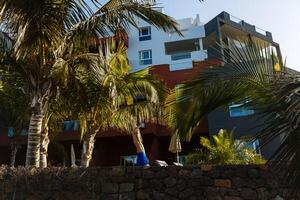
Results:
<point x="222" y="27"/>
<point x="157" y="43"/>
<point x="243" y="127"/>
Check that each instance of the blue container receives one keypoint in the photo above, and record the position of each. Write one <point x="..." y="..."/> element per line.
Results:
<point x="142" y="159"/>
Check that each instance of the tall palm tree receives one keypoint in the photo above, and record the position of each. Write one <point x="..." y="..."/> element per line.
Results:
<point x="252" y="74"/>
<point x="52" y="125"/>
<point x="47" y="32"/>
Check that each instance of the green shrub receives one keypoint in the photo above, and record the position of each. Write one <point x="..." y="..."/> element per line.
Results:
<point x="224" y="150"/>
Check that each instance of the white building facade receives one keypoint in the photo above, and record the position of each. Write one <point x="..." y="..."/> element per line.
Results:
<point x="150" y="46"/>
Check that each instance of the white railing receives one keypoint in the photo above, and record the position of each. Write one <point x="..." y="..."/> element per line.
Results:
<point x="187" y="63"/>
<point x="181" y="65"/>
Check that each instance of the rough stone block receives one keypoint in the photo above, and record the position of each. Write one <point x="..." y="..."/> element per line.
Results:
<point x="232" y="198"/>
<point x="126" y="187"/>
<point x="117" y="171"/>
<point x="172" y="171"/>
<point x="206" y="168"/>
<point x="253" y="173"/>
<point x="158" y="195"/>
<point x="156" y="184"/>
<point x="181" y="184"/>
<point x="225" y="183"/>
<point x="196" y="173"/>
<point x="186" y="193"/>
<point x="171" y="192"/>
<point x="239" y="183"/>
<point x="161" y="174"/>
<point x="248" y="194"/>
<point x="110" y="187"/>
<point x="183" y="173"/>
<point x="148" y="174"/>
<point x="142" y="195"/>
<point x="170" y="182"/>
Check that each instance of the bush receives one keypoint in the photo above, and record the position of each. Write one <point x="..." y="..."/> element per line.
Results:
<point x="224" y="150"/>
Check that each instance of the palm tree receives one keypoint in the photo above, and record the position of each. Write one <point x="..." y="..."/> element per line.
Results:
<point x="52" y="125"/>
<point x="100" y="97"/>
<point x="47" y="32"/>
<point x="225" y="149"/>
<point x="14" y="110"/>
<point x="251" y="73"/>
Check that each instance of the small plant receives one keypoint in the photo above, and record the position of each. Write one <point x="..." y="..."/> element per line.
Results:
<point x="224" y="150"/>
<point x="198" y="157"/>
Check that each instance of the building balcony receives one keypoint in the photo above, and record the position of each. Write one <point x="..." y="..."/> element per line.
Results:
<point x="180" y="61"/>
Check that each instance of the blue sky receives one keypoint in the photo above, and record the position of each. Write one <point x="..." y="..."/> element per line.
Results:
<point x="282" y="19"/>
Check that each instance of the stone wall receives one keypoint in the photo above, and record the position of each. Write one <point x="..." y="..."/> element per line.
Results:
<point x="191" y="183"/>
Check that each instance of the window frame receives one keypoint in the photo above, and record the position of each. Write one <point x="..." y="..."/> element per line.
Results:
<point x="235" y="105"/>
<point x="181" y="56"/>
<point x="141" y="59"/>
<point x="143" y="37"/>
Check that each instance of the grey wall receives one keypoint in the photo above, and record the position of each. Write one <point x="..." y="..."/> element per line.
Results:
<point x="153" y="183"/>
<point x="242" y="126"/>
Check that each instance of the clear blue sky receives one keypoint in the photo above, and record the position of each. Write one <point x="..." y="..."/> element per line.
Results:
<point x="280" y="17"/>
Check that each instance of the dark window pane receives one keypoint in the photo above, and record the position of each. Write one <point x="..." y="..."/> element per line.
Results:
<point x="144" y="38"/>
<point x="146" y="62"/>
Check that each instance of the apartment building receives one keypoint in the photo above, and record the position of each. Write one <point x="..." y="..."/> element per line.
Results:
<point x="150" y="46"/>
<point x="223" y="29"/>
<point x="175" y="59"/>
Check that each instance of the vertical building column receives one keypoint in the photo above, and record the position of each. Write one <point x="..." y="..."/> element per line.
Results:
<point x="154" y="150"/>
<point x="219" y="43"/>
<point x="279" y="55"/>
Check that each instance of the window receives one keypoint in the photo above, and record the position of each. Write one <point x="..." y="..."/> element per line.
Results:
<point x="145" y="33"/>
<point x="145" y="57"/>
<point x="24" y="131"/>
<point x="181" y="56"/>
<point x="71" y="125"/>
<point x="10" y="132"/>
<point x="252" y="144"/>
<point x="255" y="146"/>
<point x="183" y="46"/>
<point x="238" y="110"/>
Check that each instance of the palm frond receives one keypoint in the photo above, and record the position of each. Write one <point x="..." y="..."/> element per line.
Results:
<point x="118" y="15"/>
<point x="249" y="66"/>
<point x="251" y="72"/>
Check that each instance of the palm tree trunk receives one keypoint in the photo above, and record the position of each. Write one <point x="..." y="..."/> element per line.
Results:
<point x="142" y="159"/>
<point x="88" y="147"/>
<point x="137" y="140"/>
<point x="34" y="139"/>
<point x="14" y="149"/>
<point x="44" y="146"/>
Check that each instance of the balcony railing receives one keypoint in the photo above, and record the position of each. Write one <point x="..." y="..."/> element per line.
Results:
<point x="181" y="56"/>
<point x="67" y="126"/>
<point x="249" y="26"/>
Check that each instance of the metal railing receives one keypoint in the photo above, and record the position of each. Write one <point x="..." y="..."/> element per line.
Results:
<point x="241" y="21"/>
